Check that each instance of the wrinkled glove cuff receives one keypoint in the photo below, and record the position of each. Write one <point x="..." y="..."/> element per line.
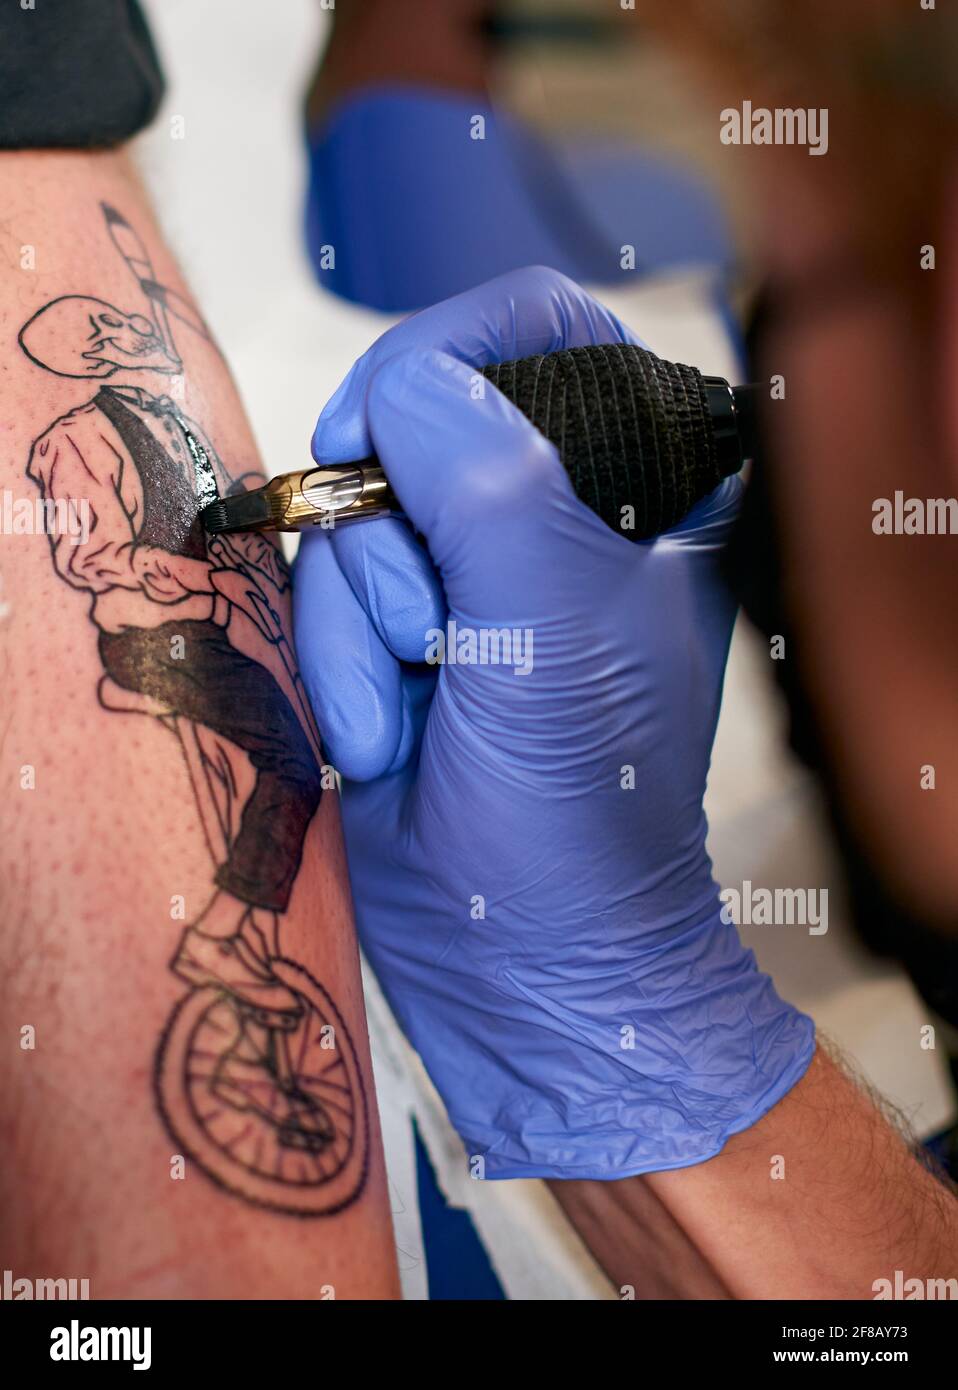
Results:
<point x="703" y="1048"/>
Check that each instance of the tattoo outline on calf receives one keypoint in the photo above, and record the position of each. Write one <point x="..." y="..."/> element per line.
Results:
<point x="256" y="1075"/>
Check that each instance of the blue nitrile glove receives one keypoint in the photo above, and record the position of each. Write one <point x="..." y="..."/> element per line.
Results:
<point x="548" y="935"/>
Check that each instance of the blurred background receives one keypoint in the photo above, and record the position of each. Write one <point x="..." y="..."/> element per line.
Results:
<point x="318" y="184"/>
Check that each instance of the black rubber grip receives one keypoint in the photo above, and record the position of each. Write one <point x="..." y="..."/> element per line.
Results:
<point x="634" y="432"/>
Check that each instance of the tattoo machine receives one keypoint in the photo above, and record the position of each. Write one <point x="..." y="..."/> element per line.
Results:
<point x="632" y="430"/>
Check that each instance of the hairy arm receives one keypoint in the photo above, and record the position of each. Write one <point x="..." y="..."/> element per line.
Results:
<point x="822" y="1198"/>
<point x="190" y="1107"/>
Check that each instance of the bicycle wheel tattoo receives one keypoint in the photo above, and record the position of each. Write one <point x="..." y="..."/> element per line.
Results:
<point x="274" y="1112"/>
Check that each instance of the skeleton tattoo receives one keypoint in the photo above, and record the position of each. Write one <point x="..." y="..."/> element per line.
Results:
<point x="256" y="1075"/>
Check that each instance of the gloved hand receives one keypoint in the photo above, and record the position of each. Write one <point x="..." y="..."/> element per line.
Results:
<point x="542" y="918"/>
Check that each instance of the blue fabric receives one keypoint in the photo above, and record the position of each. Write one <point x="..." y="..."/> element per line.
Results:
<point x="415" y="209"/>
<point x="456" y="1260"/>
<point x="944" y="1148"/>
<point x="643" y="200"/>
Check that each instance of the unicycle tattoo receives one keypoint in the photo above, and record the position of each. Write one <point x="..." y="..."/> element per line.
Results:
<point x="260" y="1100"/>
<point x="256" y="1076"/>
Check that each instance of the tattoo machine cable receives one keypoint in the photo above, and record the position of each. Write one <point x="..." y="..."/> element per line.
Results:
<point x="632" y="430"/>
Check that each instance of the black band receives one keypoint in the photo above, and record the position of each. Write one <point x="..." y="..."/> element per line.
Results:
<point x="633" y="431"/>
<point x="75" y="74"/>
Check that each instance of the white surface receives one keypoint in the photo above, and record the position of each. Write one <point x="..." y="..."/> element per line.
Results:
<point x="229" y="196"/>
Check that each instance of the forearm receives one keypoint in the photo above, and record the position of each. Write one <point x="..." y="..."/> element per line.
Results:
<point x="636" y="1241"/>
<point x="174" y="1132"/>
<point x="820" y="1199"/>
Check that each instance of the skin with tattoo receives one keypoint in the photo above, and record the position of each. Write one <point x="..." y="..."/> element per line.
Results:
<point x="190" y="1106"/>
